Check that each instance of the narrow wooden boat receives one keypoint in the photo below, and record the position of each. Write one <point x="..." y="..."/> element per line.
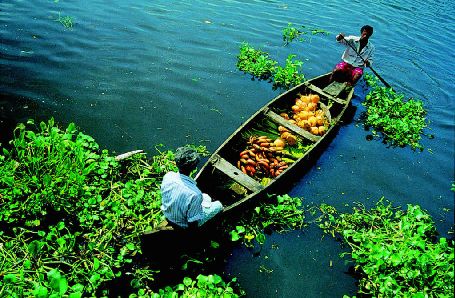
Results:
<point x="252" y="163"/>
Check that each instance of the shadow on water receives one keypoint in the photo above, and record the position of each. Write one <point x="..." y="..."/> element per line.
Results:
<point x="13" y="110"/>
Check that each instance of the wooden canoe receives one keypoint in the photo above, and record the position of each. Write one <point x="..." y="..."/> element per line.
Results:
<point x="222" y="177"/>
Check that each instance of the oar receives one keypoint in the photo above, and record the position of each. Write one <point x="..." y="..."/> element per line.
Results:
<point x="376" y="74"/>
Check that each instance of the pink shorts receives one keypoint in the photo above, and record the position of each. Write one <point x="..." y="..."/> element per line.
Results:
<point x="349" y="69"/>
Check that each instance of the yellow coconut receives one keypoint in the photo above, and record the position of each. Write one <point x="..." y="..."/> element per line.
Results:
<point x="314" y="98"/>
<point x="321" y="130"/>
<point x="282" y="129"/>
<point x="296" y="108"/>
<point x="285" y="134"/>
<point x="303" y="115"/>
<point x="305" y="98"/>
<point x="312" y="106"/>
<point x="312" y="121"/>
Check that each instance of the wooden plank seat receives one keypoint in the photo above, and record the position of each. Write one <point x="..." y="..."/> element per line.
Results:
<point x="292" y="127"/>
<point x="235" y="174"/>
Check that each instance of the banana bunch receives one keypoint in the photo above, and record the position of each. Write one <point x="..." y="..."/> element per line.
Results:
<point x="262" y="158"/>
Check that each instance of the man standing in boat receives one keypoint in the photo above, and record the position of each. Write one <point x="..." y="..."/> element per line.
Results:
<point x="359" y="53"/>
<point x="183" y="203"/>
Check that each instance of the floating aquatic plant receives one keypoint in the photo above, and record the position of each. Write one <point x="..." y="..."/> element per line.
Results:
<point x="66" y="21"/>
<point x="398" y="120"/>
<point x="290" y="33"/>
<point x="396" y="252"/>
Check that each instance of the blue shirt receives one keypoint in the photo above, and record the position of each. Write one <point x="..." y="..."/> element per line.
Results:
<point x="181" y="199"/>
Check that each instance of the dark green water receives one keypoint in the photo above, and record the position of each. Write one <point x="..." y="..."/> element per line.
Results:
<point x="137" y="73"/>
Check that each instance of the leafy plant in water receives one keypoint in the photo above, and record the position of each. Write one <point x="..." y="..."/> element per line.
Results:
<point x="258" y="64"/>
<point x="51" y="170"/>
<point x="255" y="62"/>
<point x="289" y="75"/>
<point x="400" y="122"/>
<point x="202" y="286"/>
<point x="70" y="213"/>
<point x="285" y="214"/>
<point x="290" y="33"/>
<point x="394" y="251"/>
<point x="66" y="21"/>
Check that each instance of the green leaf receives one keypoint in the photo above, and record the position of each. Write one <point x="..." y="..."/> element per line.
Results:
<point x="96" y="263"/>
<point x="214" y="244"/>
<point x="57" y="282"/>
<point x="187" y="281"/>
<point x="9" y="278"/>
<point x="77" y="288"/>
<point x="35" y="247"/>
<point x="217" y="279"/>
<point x="27" y="264"/>
<point x="180" y="287"/>
<point x="40" y="291"/>
<point x="60" y="225"/>
<point x="234" y="236"/>
<point x="95" y="278"/>
<point x="240" y="229"/>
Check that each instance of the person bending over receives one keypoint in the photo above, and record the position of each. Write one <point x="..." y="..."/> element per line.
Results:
<point x="182" y="202"/>
<point x="350" y="69"/>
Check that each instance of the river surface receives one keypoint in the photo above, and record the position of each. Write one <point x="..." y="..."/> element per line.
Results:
<point x="134" y="74"/>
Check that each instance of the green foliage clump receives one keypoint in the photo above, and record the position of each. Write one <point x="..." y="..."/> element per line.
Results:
<point x="66" y="21"/>
<point x="288" y="76"/>
<point x="290" y="33"/>
<point x="399" y="121"/>
<point x="71" y="214"/>
<point x="255" y="62"/>
<point x="51" y="169"/>
<point x="285" y="214"/>
<point x="259" y="65"/>
<point x="202" y="286"/>
<point x="395" y="251"/>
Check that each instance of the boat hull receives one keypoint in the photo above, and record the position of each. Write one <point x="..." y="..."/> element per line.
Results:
<point x="222" y="170"/>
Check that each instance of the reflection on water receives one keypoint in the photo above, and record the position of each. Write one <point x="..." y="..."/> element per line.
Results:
<point x="137" y="73"/>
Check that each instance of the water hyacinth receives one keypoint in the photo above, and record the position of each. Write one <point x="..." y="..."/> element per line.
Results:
<point x="398" y="120"/>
